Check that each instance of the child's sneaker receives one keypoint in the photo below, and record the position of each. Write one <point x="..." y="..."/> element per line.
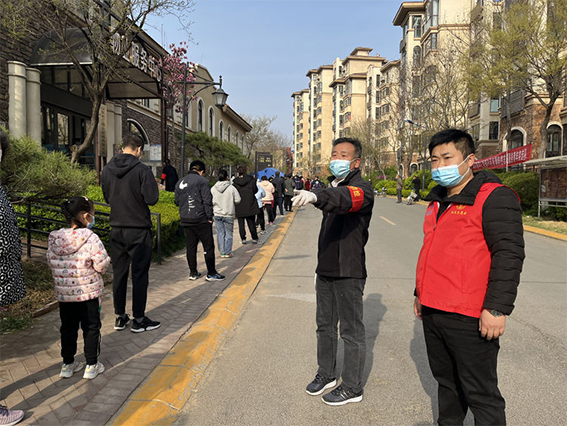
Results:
<point x="67" y="370"/>
<point x="93" y="370"/>
<point x="10" y="417"/>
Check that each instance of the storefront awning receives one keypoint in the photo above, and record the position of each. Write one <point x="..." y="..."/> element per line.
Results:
<point x="549" y="163"/>
<point x="138" y="79"/>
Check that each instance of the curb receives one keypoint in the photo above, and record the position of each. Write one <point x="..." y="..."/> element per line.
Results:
<point x="169" y="386"/>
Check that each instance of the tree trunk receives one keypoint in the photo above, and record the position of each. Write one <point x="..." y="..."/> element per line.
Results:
<point x="543" y="130"/>
<point x="91" y="132"/>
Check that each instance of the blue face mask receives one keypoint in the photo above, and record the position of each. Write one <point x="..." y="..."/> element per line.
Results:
<point x="91" y="224"/>
<point x="340" y="168"/>
<point x="448" y="176"/>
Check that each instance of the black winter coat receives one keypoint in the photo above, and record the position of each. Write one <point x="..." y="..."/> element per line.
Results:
<point x="503" y="232"/>
<point x="194" y="198"/>
<point x="347" y="210"/>
<point x="247" y="188"/>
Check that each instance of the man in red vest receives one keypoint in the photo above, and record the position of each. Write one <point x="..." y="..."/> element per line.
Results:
<point x="467" y="276"/>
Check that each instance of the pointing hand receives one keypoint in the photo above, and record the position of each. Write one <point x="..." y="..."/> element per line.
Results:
<point x="303" y="197"/>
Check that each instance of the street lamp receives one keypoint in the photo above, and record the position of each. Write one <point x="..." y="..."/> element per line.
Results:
<point x="413" y="123"/>
<point x="219" y="96"/>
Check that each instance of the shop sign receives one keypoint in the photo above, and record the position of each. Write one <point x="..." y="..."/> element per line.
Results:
<point x="138" y="56"/>
<point x="504" y="159"/>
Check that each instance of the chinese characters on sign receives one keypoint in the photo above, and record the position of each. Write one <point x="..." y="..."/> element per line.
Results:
<point x="263" y="160"/>
<point x="508" y="158"/>
<point x="137" y="55"/>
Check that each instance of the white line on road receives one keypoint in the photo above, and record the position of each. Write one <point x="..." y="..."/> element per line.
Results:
<point x="389" y="221"/>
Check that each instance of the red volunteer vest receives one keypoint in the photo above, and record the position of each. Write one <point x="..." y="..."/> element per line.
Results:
<point x="454" y="262"/>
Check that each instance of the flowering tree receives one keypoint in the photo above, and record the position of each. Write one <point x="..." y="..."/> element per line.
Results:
<point x="173" y="69"/>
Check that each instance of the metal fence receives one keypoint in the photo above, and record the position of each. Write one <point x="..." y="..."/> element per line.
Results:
<point x="28" y="229"/>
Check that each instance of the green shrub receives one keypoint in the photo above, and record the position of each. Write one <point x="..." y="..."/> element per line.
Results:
<point x="526" y="185"/>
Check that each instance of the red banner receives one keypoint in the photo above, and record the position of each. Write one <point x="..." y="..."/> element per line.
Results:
<point x="507" y="158"/>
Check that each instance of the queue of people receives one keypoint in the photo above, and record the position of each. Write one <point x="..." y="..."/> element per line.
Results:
<point x="463" y="314"/>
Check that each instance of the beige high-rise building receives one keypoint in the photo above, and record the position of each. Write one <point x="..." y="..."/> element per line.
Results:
<point x="301" y="130"/>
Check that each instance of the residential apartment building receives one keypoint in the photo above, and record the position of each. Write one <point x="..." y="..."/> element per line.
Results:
<point x="301" y="131"/>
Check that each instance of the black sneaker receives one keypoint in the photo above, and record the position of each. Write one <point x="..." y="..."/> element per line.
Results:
<point x="341" y="396"/>
<point x="121" y="322"/>
<point x="146" y="325"/>
<point x="193" y="277"/>
<point x="319" y="385"/>
<point x="215" y="277"/>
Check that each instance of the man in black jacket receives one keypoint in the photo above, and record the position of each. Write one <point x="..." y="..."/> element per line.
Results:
<point x="130" y="187"/>
<point x="467" y="277"/>
<point x="341" y="272"/>
<point x="278" y="183"/>
<point x="247" y="209"/>
<point x="195" y="201"/>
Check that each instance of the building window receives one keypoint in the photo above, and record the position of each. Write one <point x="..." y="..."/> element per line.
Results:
<point x="516" y="139"/>
<point x="553" y="141"/>
<point x="236" y="138"/>
<point x="200" y="116"/>
<point x="494" y="104"/>
<point x="211" y="121"/>
<point x="494" y="130"/>
<point x="417" y="56"/>
<point x="416" y="24"/>
<point x="221" y="127"/>
<point x="228" y="134"/>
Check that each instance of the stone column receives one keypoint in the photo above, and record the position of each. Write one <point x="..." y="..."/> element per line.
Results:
<point x="33" y="105"/>
<point x="110" y="130"/>
<point x="117" y="129"/>
<point x="17" y="98"/>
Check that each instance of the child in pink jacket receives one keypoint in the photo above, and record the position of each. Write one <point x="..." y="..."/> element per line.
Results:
<point x="78" y="259"/>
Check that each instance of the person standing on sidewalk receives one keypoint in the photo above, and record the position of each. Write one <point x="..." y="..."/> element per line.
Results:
<point x="225" y="199"/>
<point x="416" y="182"/>
<point x="278" y="183"/>
<point x="130" y="188"/>
<point x="467" y="276"/>
<point x="247" y="210"/>
<point x="289" y="186"/>
<point x="169" y="176"/>
<point x="195" y="201"/>
<point x="399" y="186"/>
<point x="12" y="287"/>
<point x="260" y="217"/>
<point x="268" y="199"/>
<point x="78" y="259"/>
<point x="341" y="272"/>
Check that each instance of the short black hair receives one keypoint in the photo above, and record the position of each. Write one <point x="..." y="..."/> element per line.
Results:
<point x="277" y="174"/>
<point x="241" y="170"/>
<point x="223" y="175"/>
<point x="132" y="141"/>
<point x="355" y="142"/>
<point x="197" y="166"/>
<point x="462" y="140"/>
<point x="264" y="177"/>
<point x="74" y="206"/>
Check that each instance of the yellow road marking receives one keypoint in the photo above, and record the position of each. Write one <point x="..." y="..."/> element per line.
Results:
<point x="389" y="221"/>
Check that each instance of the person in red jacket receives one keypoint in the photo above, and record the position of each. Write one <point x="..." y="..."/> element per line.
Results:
<point x="467" y="276"/>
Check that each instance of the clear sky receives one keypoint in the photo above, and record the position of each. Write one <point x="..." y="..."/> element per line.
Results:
<point x="264" y="48"/>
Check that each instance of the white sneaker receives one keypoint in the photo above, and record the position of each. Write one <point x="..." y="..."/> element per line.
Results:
<point x="67" y="370"/>
<point x="93" y="370"/>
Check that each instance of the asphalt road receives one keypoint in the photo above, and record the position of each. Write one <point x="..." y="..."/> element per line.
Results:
<point x="259" y="376"/>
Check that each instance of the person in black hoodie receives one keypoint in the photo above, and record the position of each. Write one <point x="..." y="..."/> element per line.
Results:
<point x="169" y="176"/>
<point x="195" y="201"/>
<point x="130" y="187"/>
<point x="341" y="272"/>
<point x="248" y="207"/>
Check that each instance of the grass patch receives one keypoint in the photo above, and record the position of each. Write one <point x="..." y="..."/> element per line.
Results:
<point x="39" y="292"/>
<point x="549" y="225"/>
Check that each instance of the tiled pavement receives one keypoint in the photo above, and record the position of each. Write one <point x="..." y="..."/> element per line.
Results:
<point x="30" y="361"/>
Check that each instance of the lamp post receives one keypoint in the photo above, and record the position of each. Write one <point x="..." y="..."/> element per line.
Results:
<point x="219" y="96"/>
<point x="413" y="123"/>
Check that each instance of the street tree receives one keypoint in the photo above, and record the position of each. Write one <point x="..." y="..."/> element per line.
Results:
<point x="213" y="152"/>
<point x="108" y="30"/>
<point x="264" y="138"/>
<point x="523" y="50"/>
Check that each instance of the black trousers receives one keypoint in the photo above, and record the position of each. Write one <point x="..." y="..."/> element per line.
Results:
<point x="202" y="232"/>
<point x="86" y="315"/>
<point x="399" y="194"/>
<point x="339" y="301"/>
<point x="261" y="220"/>
<point x="131" y="246"/>
<point x="251" y="221"/>
<point x="287" y="202"/>
<point x="271" y="212"/>
<point x="278" y="203"/>
<point x="464" y="365"/>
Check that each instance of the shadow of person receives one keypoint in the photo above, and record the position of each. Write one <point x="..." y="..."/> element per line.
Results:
<point x="418" y="354"/>
<point x="374" y="311"/>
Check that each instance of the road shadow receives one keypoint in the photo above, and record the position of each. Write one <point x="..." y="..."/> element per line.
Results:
<point x="374" y="311"/>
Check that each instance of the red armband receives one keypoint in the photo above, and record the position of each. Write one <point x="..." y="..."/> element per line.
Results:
<point x="163" y="175"/>
<point x="357" y="196"/>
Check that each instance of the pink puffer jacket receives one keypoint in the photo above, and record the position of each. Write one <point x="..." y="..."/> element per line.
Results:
<point x="77" y="259"/>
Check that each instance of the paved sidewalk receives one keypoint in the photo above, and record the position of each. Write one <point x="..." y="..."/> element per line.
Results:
<point x="30" y="360"/>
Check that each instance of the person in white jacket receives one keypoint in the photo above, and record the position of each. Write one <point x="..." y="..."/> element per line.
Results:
<point x="260" y="216"/>
<point x="78" y="259"/>
<point x="225" y="199"/>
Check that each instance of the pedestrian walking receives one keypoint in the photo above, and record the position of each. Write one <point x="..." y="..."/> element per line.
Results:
<point x="289" y="186"/>
<point x="298" y="180"/>
<point x="268" y="199"/>
<point x="278" y="183"/>
<point x="12" y="287"/>
<point x="130" y="188"/>
<point x="316" y="184"/>
<point x="169" y="176"/>
<point x="467" y="276"/>
<point x="341" y="273"/>
<point x="195" y="201"/>
<point x="78" y="259"/>
<point x="399" y="186"/>
<point x="247" y="210"/>
<point x="416" y="182"/>
<point x="225" y="199"/>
